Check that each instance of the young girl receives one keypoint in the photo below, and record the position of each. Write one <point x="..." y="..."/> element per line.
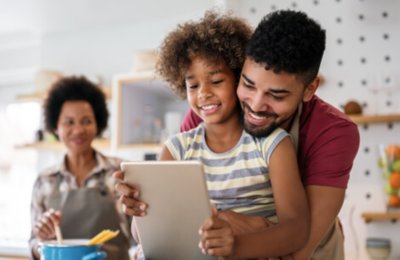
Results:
<point x="251" y="176"/>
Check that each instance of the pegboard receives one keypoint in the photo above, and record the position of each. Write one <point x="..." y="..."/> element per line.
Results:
<point x="362" y="63"/>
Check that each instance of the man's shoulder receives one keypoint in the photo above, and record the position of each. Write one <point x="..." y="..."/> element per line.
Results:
<point x="318" y="112"/>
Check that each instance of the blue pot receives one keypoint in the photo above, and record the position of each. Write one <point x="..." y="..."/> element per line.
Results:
<point x="71" y="249"/>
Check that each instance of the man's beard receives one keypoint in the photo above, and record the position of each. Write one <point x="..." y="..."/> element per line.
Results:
<point x="258" y="131"/>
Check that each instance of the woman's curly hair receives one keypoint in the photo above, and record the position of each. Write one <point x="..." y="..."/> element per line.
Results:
<point x="218" y="37"/>
<point x="288" y="41"/>
<point x="75" y="89"/>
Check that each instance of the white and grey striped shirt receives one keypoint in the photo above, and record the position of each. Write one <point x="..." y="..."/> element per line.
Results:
<point x="237" y="179"/>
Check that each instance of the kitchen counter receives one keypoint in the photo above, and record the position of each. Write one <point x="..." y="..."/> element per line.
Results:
<point x="14" y="250"/>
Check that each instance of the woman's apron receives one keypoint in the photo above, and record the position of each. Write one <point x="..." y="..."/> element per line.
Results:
<point x="88" y="211"/>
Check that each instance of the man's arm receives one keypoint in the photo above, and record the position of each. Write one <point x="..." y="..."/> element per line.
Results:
<point x="326" y="167"/>
<point x="325" y="204"/>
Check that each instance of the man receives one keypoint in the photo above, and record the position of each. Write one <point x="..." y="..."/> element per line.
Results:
<point x="277" y="89"/>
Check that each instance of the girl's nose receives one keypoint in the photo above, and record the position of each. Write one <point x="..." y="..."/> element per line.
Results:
<point x="205" y="91"/>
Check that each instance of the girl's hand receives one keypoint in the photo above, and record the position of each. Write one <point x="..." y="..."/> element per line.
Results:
<point x="45" y="228"/>
<point x="217" y="237"/>
<point x="131" y="205"/>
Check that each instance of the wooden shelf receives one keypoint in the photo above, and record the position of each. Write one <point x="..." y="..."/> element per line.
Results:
<point x="380" y="216"/>
<point x="57" y="146"/>
<point x="365" y="119"/>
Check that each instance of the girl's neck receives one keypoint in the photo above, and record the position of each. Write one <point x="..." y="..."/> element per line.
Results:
<point x="224" y="136"/>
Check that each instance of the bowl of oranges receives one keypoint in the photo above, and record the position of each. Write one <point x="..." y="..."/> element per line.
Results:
<point x="389" y="162"/>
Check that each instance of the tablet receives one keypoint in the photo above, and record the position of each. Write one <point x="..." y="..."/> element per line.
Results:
<point x="178" y="203"/>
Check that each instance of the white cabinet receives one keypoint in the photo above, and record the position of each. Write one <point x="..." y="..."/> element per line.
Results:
<point x="141" y="105"/>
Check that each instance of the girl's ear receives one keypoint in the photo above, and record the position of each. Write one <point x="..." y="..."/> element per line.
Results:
<point x="310" y="89"/>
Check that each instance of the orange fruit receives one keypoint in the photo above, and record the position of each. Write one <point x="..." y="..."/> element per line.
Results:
<point x="394" y="180"/>
<point x="394" y="201"/>
<point x="392" y="151"/>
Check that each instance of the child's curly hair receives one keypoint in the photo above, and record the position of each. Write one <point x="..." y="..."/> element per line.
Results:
<point x="75" y="89"/>
<point x="288" y="41"/>
<point x="218" y="37"/>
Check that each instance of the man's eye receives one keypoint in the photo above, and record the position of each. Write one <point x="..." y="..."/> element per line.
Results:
<point x="278" y="98"/>
<point x="247" y="85"/>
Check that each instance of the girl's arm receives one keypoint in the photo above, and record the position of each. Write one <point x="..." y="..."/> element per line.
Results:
<point x="165" y="154"/>
<point x="292" y="230"/>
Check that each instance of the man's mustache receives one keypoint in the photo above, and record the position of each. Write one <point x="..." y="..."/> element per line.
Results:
<point x="261" y="114"/>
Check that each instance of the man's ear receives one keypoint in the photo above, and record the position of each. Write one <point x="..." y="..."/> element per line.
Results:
<point x="310" y="89"/>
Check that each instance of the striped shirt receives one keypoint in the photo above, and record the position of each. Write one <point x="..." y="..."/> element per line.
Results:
<point x="237" y="179"/>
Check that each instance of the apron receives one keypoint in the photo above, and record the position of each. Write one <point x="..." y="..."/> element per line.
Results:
<point x="88" y="211"/>
<point x="332" y="245"/>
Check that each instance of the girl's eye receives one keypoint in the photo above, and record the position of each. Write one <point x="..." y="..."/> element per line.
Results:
<point x="216" y="82"/>
<point x="192" y="86"/>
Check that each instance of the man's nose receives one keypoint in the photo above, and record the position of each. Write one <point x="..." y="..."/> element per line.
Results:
<point x="259" y="103"/>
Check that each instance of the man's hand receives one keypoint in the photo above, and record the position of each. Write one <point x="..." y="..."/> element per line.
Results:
<point x="131" y="205"/>
<point x="244" y="224"/>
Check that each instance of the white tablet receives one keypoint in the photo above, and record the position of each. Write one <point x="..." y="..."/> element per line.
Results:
<point x="176" y="193"/>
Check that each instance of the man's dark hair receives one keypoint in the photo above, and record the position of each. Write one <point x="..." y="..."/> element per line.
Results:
<point x="288" y="41"/>
<point x="75" y="89"/>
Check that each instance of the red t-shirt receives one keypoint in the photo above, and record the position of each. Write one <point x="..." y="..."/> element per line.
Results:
<point x="328" y="143"/>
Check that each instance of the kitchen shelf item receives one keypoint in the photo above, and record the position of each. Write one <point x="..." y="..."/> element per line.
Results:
<point x="380" y="216"/>
<point x="378" y="248"/>
<point x="366" y="119"/>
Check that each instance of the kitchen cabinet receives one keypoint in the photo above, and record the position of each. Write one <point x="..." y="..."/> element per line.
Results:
<point x="143" y="105"/>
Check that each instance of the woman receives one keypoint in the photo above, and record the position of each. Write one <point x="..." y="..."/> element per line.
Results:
<point x="78" y="194"/>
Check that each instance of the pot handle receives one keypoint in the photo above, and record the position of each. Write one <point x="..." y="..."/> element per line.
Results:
<point x="99" y="255"/>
